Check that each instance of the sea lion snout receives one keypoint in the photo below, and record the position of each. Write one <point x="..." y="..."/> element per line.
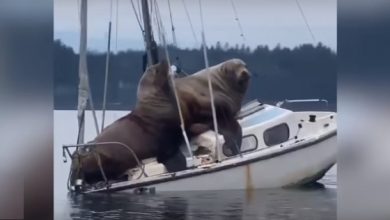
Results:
<point x="245" y="75"/>
<point x="243" y="81"/>
<point x="236" y="68"/>
<point x="237" y="74"/>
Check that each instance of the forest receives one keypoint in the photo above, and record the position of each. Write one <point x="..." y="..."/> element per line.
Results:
<point x="304" y="72"/>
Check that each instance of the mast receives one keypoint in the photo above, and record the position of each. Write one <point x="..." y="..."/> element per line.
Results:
<point x="83" y="72"/>
<point x="151" y="46"/>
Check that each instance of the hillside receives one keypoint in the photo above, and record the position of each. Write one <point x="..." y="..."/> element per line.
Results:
<point x="306" y="71"/>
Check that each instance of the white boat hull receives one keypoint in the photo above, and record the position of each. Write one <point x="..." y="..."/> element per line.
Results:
<point x="280" y="148"/>
<point x="289" y="167"/>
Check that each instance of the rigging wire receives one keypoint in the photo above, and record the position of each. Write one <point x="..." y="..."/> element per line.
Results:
<point x="206" y="61"/>
<point x="139" y="6"/>
<point x="172" y="81"/>
<point x="110" y="10"/>
<point x="137" y="16"/>
<point x="172" y="26"/>
<point x="140" y="10"/>
<point x="150" y="56"/>
<point x="107" y="68"/>
<point x="78" y="8"/>
<point x="156" y="20"/>
<point x="93" y="108"/>
<point x="305" y="20"/>
<point x="190" y="22"/>
<point x="150" y="9"/>
<point x="237" y="20"/>
<point x="116" y="26"/>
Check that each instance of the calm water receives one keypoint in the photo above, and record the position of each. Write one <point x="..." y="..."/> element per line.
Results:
<point x="310" y="203"/>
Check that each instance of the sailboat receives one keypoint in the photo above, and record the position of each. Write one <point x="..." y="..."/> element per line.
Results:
<point x="280" y="147"/>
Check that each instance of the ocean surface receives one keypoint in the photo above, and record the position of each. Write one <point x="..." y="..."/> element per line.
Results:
<point x="317" y="202"/>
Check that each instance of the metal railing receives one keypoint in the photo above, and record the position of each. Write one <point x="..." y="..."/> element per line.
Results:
<point x="280" y="103"/>
<point x="249" y="108"/>
<point x="65" y="148"/>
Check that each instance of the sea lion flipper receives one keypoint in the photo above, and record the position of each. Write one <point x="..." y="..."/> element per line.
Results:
<point x="232" y="133"/>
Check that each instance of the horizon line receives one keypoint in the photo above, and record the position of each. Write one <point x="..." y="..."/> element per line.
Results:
<point x="252" y="48"/>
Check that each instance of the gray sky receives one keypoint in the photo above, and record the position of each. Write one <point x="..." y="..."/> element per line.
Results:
<point x="264" y="22"/>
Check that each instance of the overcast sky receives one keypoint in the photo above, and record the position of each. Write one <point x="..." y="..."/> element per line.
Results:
<point x="264" y="22"/>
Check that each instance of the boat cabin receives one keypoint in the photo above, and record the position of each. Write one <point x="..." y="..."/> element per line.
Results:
<point x="264" y="126"/>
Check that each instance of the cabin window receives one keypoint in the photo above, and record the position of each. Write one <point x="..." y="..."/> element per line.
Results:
<point x="276" y="135"/>
<point x="249" y="143"/>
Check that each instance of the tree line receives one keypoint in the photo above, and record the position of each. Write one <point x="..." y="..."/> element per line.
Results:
<point x="306" y="71"/>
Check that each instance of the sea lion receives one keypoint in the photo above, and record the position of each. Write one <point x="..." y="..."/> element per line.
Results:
<point x="151" y="125"/>
<point x="152" y="129"/>
<point x="230" y="81"/>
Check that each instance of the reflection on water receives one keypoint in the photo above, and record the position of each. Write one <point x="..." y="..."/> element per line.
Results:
<point x="310" y="203"/>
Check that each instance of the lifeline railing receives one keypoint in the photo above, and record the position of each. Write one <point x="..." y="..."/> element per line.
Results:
<point x="65" y="148"/>
<point x="279" y="104"/>
<point x="249" y="108"/>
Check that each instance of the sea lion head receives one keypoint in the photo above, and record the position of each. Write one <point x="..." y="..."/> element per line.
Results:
<point x="236" y="74"/>
<point x="155" y="98"/>
<point x="153" y="81"/>
<point x="230" y="83"/>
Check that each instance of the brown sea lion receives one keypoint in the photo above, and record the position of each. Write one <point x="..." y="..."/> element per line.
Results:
<point x="152" y="129"/>
<point x="152" y="124"/>
<point x="230" y="81"/>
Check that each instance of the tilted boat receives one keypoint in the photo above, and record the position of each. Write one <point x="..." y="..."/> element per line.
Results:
<point x="280" y="148"/>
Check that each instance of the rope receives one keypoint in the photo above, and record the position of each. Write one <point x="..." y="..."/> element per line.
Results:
<point x="305" y="20"/>
<point x="97" y="157"/>
<point x="190" y="22"/>
<point x="237" y="19"/>
<point x="80" y="133"/>
<point x="206" y="61"/>
<point x="140" y="10"/>
<point x="107" y="68"/>
<point x="68" y="181"/>
<point x="71" y="170"/>
<point x="138" y="19"/>
<point x="156" y="20"/>
<point x="172" y="26"/>
<point x="182" y="123"/>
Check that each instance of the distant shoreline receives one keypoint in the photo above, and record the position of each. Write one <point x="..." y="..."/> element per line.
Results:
<point x="308" y="71"/>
